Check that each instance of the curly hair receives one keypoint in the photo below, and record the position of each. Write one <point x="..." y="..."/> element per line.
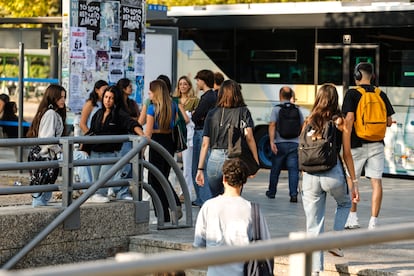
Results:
<point x="235" y="172"/>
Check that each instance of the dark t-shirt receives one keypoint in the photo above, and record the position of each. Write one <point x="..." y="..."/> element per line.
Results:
<point x="217" y="123"/>
<point x="207" y="101"/>
<point x="350" y="104"/>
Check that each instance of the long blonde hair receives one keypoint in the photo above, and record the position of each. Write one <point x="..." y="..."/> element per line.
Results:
<point x="162" y="103"/>
<point x="191" y="92"/>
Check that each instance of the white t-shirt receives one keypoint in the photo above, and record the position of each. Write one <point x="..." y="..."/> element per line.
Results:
<point x="226" y="221"/>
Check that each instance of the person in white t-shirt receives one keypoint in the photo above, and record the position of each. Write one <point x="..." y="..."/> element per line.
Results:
<point x="225" y="220"/>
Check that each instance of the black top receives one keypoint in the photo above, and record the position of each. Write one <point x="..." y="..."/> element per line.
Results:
<point x="350" y="104"/>
<point x="218" y="121"/>
<point x="118" y="122"/>
<point x="207" y="101"/>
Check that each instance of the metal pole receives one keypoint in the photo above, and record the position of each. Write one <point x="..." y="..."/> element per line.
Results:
<point x="21" y="97"/>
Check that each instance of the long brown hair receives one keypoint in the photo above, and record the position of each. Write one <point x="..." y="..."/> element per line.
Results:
<point x="230" y="95"/>
<point x="51" y="96"/>
<point x="162" y="103"/>
<point x="326" y="106"/>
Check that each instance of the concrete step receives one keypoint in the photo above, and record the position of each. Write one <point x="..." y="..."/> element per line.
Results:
<point x="174" y="240"/>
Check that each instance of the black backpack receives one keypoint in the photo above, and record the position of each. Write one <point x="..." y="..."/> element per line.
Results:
<point x="318" y="154"/>
<point x="288" y="125"/>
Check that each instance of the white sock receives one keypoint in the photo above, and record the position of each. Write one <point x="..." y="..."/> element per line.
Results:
<point x="373" y="221"/>
<point x="352" y="215"/>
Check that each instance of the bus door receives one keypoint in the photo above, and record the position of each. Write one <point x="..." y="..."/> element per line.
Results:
<point x="335" y="63"/>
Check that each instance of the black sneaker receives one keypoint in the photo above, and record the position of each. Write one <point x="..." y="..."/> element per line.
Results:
<point x="269" y="195"/>
<point x="294" y="199"/>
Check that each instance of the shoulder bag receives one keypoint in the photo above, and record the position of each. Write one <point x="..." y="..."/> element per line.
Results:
<point x="237" y="145"/>
<point x="179" y="132"/>
<point x="42" y="176"/>
<point x="257" y="267"/>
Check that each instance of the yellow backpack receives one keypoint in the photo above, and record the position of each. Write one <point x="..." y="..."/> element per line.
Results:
<point x="370" y="116"/>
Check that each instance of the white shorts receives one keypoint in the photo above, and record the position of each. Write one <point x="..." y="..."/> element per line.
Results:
<point x="371" y="157"/>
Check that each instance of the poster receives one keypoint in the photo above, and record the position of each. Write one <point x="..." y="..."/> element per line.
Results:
<point x="104" y="41"/>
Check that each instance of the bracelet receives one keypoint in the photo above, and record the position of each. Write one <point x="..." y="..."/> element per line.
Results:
<point x="355" y="181"/>
<point x="200" y="169"/>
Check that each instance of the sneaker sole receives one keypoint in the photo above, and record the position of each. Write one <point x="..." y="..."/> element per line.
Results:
<point x="336" y="254"/>
<point x="350" y="227"/>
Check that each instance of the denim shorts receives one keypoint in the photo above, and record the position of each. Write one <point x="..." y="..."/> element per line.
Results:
<point x="371" y="157"/>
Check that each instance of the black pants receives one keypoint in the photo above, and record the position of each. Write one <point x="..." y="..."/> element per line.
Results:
<point x="158" y="161"/>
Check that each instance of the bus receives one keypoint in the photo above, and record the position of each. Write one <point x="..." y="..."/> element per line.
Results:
<point x="303" y="45"/>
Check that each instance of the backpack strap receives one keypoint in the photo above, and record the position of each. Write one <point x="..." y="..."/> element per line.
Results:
<point x="362" y="90"/>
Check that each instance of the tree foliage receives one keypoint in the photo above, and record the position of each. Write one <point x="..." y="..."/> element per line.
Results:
<point x="171" y="3"/>
<point x="29" y="8"/>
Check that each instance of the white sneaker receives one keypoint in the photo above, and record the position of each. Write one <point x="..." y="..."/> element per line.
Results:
<point x="352" y="221"/>
<point x="338" y="252"/>
<point x="127" y="197"/>
<point x="97" y="198"/>
<point x="373" y="223"/>
<point x="111" y="194"/>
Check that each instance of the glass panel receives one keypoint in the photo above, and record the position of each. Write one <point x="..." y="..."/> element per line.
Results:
<point x="330" y="66"/>
<point x="357" y="56"/>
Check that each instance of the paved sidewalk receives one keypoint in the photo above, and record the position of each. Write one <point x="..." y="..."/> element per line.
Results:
<point x="283" y="217"/>
<point x="397" y="207"/>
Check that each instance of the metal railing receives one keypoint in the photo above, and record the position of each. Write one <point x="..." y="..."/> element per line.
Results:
<point x="167" y="262"/>
<point x="70" y="214"/>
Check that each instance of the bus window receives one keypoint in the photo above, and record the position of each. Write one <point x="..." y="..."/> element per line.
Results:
<point x="330" y="66"/>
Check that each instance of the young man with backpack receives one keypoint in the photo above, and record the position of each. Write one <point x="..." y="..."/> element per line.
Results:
<point x="285" y="125"/>
<point x="370" y="110"/>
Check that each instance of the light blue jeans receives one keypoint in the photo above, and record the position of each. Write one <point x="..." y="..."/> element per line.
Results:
<point x="315" y="187"/>
<point x="99" y="170"/>
<point x="203" y="193"/>
<point x="215" y="171"/>
<point x="125" y="172"/>
<point x="84" y="173"/>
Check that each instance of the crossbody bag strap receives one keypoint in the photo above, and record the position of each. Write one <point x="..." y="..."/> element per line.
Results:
<point x="255" y="221"/>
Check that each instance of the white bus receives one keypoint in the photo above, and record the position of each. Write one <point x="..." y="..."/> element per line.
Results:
<point x="302" y="45"/>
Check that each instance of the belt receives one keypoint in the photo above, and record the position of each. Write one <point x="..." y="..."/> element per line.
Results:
<point x="161" y="131"/>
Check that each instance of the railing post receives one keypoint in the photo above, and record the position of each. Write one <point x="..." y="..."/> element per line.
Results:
<point x="141" y="207"/>
<point x="21" y="97"/>
<point x="300" y="263"/>
<point x="73" y="221"/>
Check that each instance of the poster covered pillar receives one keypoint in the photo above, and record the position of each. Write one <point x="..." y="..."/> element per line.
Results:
<point x="102" y="40"/>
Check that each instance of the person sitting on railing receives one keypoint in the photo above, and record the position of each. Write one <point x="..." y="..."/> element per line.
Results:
<point x="111" y="119"/>
<point x="131" y="107"/>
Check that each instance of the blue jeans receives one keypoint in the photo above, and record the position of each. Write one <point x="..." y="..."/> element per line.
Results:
<point x="83" y="172"/>
<point x="99" y="170"/>
<point x="125" y="172"/>
<point x="203" y="193"/>
<point x="314" y="190"/>
<point x="215" y="171"/>
<point x="287" y="154"/>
